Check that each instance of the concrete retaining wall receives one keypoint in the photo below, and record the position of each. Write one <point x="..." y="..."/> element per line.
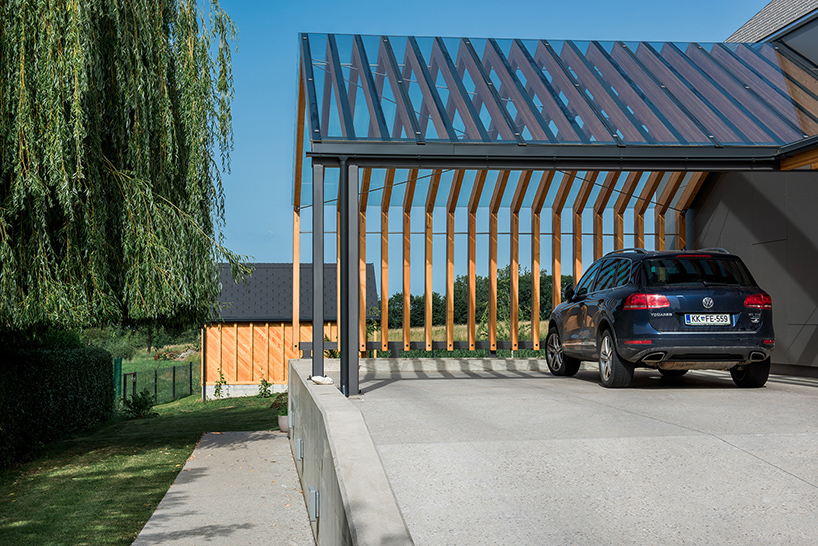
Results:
<point x="356" y="503"/>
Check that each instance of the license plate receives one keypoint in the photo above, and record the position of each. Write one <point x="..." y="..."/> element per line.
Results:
<point x="722" y="319"/>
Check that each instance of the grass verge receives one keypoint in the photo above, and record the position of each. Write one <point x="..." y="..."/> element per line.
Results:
<point x="101" y="488"/>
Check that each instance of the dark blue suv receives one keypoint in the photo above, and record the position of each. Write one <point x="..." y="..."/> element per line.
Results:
<point x="671" y="311"/>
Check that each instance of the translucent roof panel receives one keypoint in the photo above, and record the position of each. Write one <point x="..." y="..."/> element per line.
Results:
<point x="433" y="89"/>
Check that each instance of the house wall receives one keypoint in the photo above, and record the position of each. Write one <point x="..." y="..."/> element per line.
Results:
<point x="770" y="219"/>
<point x="247" y="352"/>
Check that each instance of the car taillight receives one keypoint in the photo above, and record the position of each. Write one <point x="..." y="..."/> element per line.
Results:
<point x="646" y="301"/>
<point x="759" y="301"/>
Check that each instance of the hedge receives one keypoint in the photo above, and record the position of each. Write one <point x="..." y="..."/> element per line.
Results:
<point x="48" y="394"/>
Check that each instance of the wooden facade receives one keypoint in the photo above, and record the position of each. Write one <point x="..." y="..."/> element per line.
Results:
<point x="244" y="353"/>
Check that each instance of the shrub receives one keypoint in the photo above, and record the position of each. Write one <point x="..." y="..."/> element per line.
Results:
<point x="47" y="394"/>
<point x="139" y="406"/>
<point x="265" y="389"/>
<point x="279" y="405"/>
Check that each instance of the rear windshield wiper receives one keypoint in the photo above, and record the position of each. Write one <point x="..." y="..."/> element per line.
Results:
<point x="717" y="283"/>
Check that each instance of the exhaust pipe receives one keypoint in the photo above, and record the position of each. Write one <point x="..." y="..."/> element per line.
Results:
<point x="755" y="356"/>
<point x="654" y="357"/>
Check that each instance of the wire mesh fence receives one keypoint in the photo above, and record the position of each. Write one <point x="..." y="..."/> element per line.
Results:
<point x="166" y="384"/>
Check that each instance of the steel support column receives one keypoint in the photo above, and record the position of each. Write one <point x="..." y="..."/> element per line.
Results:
<point x="348" y="334"/>
<point x="317" y="269"/>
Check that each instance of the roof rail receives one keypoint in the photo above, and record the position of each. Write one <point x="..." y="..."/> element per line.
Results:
<point x="713" y="249"/>
<point x="637" y="250"/>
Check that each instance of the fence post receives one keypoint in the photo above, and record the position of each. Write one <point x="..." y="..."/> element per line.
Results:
<point x="173" y="380"/>
<point x="156" y="386"/>
<point x="117" y="378"/>
<point x="133" y="385"/>
<point x="190" y="376"/>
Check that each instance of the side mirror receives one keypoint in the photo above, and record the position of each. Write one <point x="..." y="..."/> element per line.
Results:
<point x="568" y="293"/>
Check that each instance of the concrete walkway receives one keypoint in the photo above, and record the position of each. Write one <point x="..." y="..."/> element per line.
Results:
<point x="238" y="488"/>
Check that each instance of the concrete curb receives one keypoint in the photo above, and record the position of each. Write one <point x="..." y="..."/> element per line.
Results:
<point x="397" y="365"/>
<point x="336" y="457"/>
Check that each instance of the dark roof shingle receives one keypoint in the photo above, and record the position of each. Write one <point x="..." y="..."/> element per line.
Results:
<point x="773" y="17"/>
<point x="266" y="296"/>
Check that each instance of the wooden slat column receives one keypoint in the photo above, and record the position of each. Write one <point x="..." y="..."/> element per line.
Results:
<point x="579" y="206"/>
<point x="494" y="208"/>
<point x="685" y="200"/>
<point x="641" y="206"/>
<point x="516" y="205"/>
<point x="407" y="247"/>
<point x="451" y="206"/>
<point x="366" y="176"/>
<point x="601" y="203"/>
<point x="536" y="209"/>
<point x="556" y="236"/>
<point x="431" y="196"/>
<point x="385" y="200"/>
<point x="317" y="270"/>
<point x="621" y="205"/>
<point x="662" y="204"/>
<point x="299" y="165"/>
<point x="474" y="201"/>
<point x="338" y="319"/>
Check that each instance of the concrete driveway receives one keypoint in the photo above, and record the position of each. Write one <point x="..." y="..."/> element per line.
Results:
<point x="528" y="458"/>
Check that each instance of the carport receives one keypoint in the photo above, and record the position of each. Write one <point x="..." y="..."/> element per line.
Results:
<point x="617" y="139"/>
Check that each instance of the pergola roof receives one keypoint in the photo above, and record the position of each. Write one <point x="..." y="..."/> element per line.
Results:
<point x="517" y="104"/>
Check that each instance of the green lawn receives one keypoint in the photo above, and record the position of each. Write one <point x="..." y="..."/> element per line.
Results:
<point x="101" y="488"/>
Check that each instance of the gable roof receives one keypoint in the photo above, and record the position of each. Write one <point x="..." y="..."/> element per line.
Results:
<point x="266" y="296"/>
<point x="773" y="17"/>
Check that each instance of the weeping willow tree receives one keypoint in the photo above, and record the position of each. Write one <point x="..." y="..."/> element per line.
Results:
<point x="116" y="125"/>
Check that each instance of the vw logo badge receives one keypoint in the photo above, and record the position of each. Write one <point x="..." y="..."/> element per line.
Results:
<point x="707" y="302"/>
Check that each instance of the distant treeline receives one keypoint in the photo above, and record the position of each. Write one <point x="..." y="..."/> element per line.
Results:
<point x="461" y="301"/>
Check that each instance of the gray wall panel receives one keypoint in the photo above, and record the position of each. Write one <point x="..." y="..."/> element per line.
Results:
<point x="802" y="245"/>
<point x="771" y="221"/>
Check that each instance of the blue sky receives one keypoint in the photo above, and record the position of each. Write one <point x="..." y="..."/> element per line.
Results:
<point x="258" y="189"/>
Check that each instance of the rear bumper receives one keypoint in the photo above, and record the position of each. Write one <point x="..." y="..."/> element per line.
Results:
<point x="694" y="351"/>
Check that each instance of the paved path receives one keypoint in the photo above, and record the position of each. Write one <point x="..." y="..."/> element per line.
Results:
<point x="238" y="488"/>
<point x="527" y="458"/>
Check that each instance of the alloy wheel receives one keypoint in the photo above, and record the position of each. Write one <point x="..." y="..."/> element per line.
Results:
<point x="554" y="352"/>
<point x="606" y="358"/>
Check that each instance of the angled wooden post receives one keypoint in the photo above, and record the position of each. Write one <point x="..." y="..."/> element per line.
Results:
<point x="451" y="206"/>
<point x="299" y="165"/>
<point x="621" y="205"/>
<point x="536" y="209"/>
<point x="556" y="236"/>
<point x="662" y="204"/>
<point x="407" y="247"/>
<point x="685" y="200"/>
<point x="516" y="205"/>
<point x="494" y="207"/>
<point x="579" y="207"/>
<point x="474" y="201"/>
<point x="431" y="196"/>
<point x="386" y="197"/>
<point x="363" y="201"/>
<point x="601" y="203"/>
<point x="641" y="206"/>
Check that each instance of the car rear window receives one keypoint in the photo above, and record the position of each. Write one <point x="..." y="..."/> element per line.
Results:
<point x="696" y="270"/>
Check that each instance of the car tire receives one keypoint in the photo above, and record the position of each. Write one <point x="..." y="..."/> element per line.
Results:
<point x="672" y="373"/>
<point x="752" y="375"/>
<point x="613" y="371"/>
<point x="558" y="362"/>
